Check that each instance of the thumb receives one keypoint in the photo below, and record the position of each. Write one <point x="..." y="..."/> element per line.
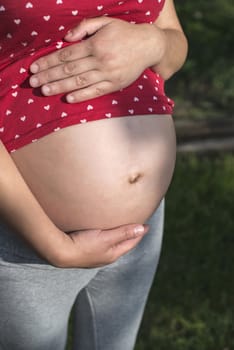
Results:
<point x="87" y="27"/>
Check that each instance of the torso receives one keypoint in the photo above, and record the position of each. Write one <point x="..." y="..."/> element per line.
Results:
<point x="99" y="169"/>
<point x="101" y="174"/>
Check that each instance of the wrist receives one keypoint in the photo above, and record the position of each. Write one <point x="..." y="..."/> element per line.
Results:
<point x="65" y="254"/>
<point x="50" y="245"/>
<point x="156" y="44"/>
<point x="59" y="250"/>
<point x="173" y="54"/>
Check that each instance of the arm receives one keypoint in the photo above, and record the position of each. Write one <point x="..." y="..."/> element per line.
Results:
<point x="173" y="41"/>
<point x="20" y="209"/>
<point x="92" y="69"/>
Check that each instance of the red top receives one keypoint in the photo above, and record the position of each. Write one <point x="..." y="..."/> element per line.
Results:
<point x="31" y="29"/>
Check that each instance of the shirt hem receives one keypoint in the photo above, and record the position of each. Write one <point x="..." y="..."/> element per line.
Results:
<point x="70" y="120"/>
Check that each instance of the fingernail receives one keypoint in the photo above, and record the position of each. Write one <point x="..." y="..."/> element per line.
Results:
<point x="34" y="81"/>
<point x="46" y="89"/>
<point x="70" y="98"/>
<point x="139" y="230"/>
<point x="34" y="68"/>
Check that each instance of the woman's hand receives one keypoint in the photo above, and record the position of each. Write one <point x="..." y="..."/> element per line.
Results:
<point x="94" y="248"/>
<point x="112" y="56"/>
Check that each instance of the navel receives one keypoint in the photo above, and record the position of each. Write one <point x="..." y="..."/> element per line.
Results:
<point x="134" y="178"/>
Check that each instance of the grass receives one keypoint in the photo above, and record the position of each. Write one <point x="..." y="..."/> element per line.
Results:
<point x="191" y="302"/>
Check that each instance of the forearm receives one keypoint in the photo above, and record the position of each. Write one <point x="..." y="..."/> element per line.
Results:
<point x="20" y="209"/>
<point x="169" y="43"/>
<point x="174" y="48"/>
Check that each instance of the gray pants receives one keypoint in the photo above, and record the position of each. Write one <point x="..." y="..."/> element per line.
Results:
<point x="36" y="298"/>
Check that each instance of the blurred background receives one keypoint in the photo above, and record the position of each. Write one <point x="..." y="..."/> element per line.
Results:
<point x="191" y="304"/>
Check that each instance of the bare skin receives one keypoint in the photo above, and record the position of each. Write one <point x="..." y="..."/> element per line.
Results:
<point x="94" y="247"/>
<point x="101" y="174"/>
<point x="88" y="249"/>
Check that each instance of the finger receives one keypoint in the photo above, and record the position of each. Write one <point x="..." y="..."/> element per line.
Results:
<point x="124" y="233"/>
<point x="62" y="71"/>
<point x="73" y="83"/>
<point x="69" y="53"/>
<point x="124" y="247"/>
<point x="92" y="91"/>
<point x="87" y="27"/>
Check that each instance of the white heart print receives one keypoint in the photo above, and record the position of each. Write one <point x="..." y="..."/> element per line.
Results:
<point x="59" y="45"/>
<point x="29" y="5"/>
<point x="22" y="70"/>
<point x="17" y="21"/>
<point x="46" y="18"/>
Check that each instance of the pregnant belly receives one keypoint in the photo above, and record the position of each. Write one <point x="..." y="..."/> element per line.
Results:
<point x="101" y="174"/>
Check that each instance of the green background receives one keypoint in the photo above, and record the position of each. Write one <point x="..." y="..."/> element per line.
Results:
<point x="205" y="85"/>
